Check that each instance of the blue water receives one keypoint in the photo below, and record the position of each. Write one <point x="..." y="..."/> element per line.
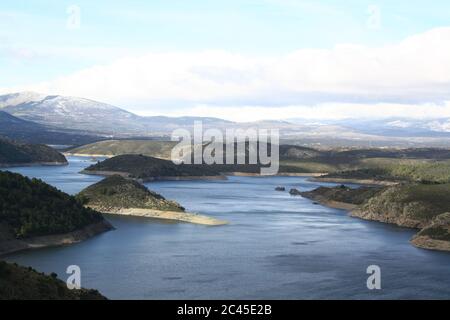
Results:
<point x="275" y="247"/>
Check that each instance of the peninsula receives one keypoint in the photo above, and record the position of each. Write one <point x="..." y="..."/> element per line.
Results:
<point x="419" y="206"/>
<point x="118" y="195"/>
<point x="34" y="215"/>
<point x="14" y="153"/>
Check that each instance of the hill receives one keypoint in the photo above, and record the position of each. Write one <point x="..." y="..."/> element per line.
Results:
<point x="163" y="149"/>
<point x="419" y="206"/>
<point x="118" y="195"/>
<point x="31" y="132"/>
<point x="118" y="192"/>
<point x="334" y="196"/>
<point x="72" y="113"/>
<point x="92" y="116"/>
<point x="436" y="235"/>
<point x="20" y="283"/>
<point x="396" y="170"/>
<point x="149" y="168"/>
<point x="152" y="148"/>
<point x="31" y="209"/>
<point x="407" y="205"/>
<point x="17" y="153"/>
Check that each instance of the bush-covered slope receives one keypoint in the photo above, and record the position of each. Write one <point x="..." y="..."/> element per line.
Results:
<point x="408" y="205"/>
<point x="342" y="193"/>
<point x="152" y="148"/>
<point x="118" y="192"/>
<point x="30" y="207"/>
<point x="12" y="152"/>
<point x="20" y="283"/>
<point x="142" y="167"/>
<point x="400" y="170"/>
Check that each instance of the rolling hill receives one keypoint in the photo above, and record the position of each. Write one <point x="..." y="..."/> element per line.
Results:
<point x="34" y="214"/>
<point x="17" y="153"/>
<point x="31" y="132"/>
<point x="118" y="192"/>
<point x="153" y="148"/>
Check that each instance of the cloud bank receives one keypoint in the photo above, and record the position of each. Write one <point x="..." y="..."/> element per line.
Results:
<point x="414" y="73"/>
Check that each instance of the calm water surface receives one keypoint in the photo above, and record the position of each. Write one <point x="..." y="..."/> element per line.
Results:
<point x="275" y="247"/>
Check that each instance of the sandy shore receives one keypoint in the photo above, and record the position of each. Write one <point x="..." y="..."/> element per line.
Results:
<point x="15" y="245"/>
<point x="430" y="244"/>
<point x="168" y="215"/>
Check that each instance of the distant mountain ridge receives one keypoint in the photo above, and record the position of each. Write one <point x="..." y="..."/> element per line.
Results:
<point x="96" y="118"/>
<point x="92" y="116"/>
<point x="31" y="132"/>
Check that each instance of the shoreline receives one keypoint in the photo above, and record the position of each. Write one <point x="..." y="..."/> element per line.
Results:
<point x="421" y="242"/>
<point x="150" y="179"/>
<point x="280" y="174"/>
<point x="424" y="242"/>
<point x="333" y="204"/>
<point x="163" y="215"/>
<point x="33" y="164"/>
<point x="85" y="155"/>
<point x="16" y="245"/>
<point x="223" y="176"/>
<point x="366" y="182"/>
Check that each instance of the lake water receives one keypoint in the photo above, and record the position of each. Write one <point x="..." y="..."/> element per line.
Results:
<point x="275" y="247"/>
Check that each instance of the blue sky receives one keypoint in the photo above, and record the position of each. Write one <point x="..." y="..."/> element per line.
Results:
<point x="36" y="45"/>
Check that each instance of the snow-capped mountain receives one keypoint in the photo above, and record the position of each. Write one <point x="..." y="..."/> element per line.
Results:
<point x="93" y="116"/>
<point x="96" y="118"/>
<point x="14" y="99"/>
<point x="73" y="113"/>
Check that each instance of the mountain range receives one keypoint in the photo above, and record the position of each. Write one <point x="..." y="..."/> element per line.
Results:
<point x="54" y="119"/>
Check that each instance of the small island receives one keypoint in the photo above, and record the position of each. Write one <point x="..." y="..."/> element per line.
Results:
<point x="118" y="195"/>
<point x="14" y="153"/>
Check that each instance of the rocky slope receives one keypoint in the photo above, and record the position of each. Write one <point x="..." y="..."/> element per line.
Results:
<point x="436" y="235"/>
<point x="411" y="205"/>
<point x="418" y="206"/>
<point x="118" y="195"/>
<point x="118" y="192"/>
<point x="341" y="196"/>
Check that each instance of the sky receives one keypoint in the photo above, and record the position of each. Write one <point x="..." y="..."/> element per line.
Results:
<point x="236" y="59"/>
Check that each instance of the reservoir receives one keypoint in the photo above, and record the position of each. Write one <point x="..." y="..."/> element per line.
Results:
<point x="276" y="247"/>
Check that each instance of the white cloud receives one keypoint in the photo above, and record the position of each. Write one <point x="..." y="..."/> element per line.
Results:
<point x="411" y="75"/>
<point x="326" y="111"/>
